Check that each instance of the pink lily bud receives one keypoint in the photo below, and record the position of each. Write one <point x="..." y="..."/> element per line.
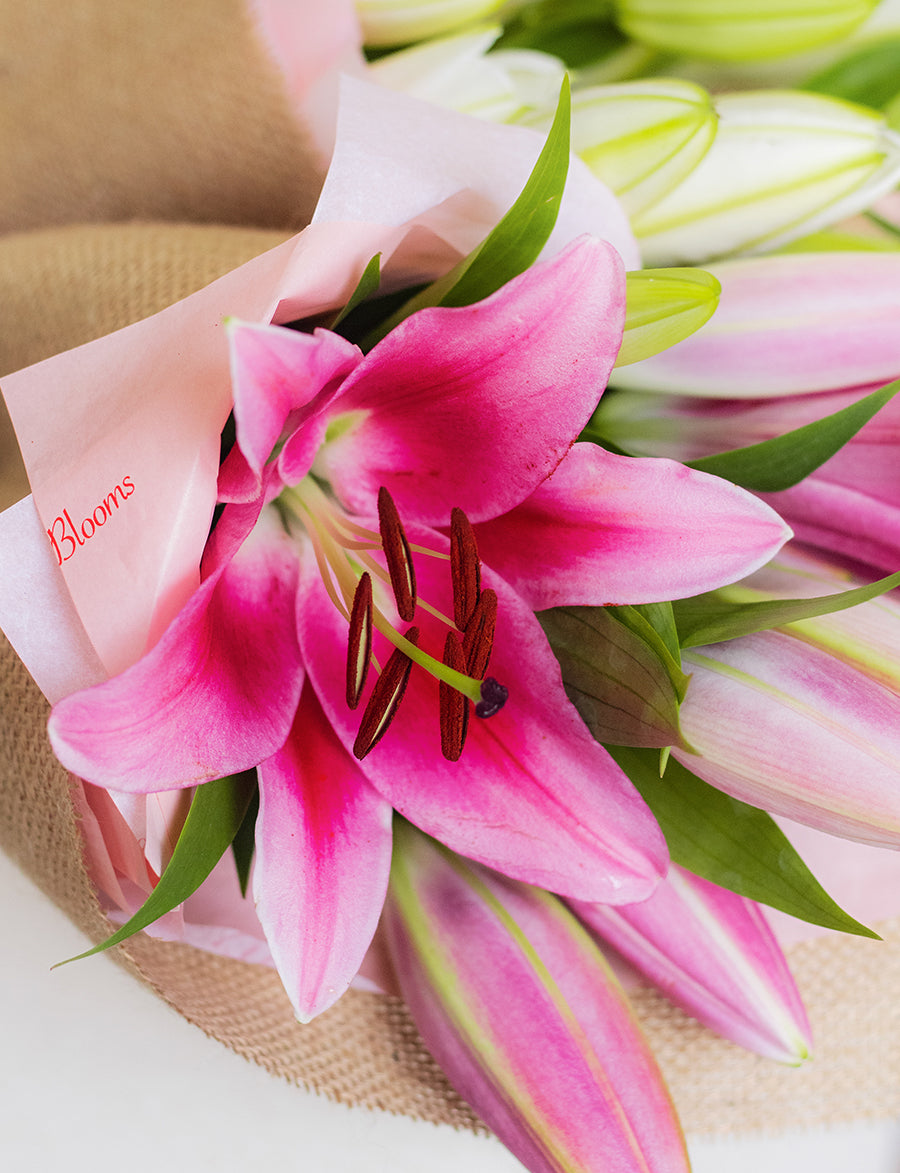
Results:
<point x="519" y="1007"/>
<point x="787" y="325"/>
<point x="713" y="954"/>
<point x="803" y="720"/>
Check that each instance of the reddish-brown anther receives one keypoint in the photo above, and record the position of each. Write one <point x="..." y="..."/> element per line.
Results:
<point x="465" y="568"/>
<point x="397" y="555"/>
<point x="479" y="635"/>
<point x="454" y="707"/>
<point x="385" y="699"/>
<point x="359" y="646"/>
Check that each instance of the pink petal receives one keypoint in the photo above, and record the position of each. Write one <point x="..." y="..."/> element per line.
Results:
<point x="475" y="406"/>
<point x="522" y="1012"/>
<point x="843" y="521"/>
<point x="276" y="373"/>
<point x="323" y="853"/>
<point x="533" y="794"/>
<point x="611" y="529"/>
<point x="713" y="953"/>
<point x="216" y="695"/>
<point x="786" y="325"/>
<point x="785" y="726"/>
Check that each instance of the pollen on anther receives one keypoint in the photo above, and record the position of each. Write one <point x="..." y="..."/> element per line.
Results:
<point x="397" y="555"/>
<point x="454" y="706"/>
<point x="385" y="699"/>
<point x="479" y="634"/>
<point x="359" y="644"/>
<point x="465" y="568"/>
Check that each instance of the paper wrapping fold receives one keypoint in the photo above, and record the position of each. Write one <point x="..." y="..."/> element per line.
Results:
<point x="60" y="288"/>
<point x="114" y="110"/>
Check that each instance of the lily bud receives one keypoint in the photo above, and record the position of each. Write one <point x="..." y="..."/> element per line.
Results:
<point x="740" y="30"/>
<point x="803" y="721"/>
<point x="782" y="164"/>
<point x="519" y="1007"/>
<point x="642" y="138"/>
<point x="713" y="954"/>
<point x="787" y="325"/>
<point x="399" y="22"/>
<point x="457" y="72"/>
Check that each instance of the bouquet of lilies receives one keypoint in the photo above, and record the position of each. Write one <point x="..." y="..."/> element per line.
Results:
<point x="472" y="577"/>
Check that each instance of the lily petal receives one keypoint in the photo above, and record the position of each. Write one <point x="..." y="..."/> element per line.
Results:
<point x="843" y="521"/>
<point x="752" y="697"/>
<point x="275" y="374"/>
<point x="712" y="952"/>
<point x="149" y="728"/>
<point x="522" y="1012"/>
<point x="475" y="406"/>
<point x="612" y="529"/>
<point x="323" y="853"/>
<point x="533" y="794"/>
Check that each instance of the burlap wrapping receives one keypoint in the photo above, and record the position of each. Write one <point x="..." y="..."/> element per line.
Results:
<point x="365" y="1050"/>
<point x="119" y="109"/>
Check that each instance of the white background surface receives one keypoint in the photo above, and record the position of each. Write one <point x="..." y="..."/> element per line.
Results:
<point x="99" y="1075"/>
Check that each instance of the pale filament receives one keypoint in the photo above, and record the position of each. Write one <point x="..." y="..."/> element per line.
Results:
<point x="336" y="570"/>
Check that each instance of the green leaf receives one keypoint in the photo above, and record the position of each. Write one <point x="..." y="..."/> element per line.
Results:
<point x="618" y="673"/>
<point x="713" y="617"/>
<point x="661" y="618"/>
<point x="869" y="75"/>
<point x="217" y="811"/>
<point x="662" y="307"/>
<point x="365" y="288"/>
<point x="777" y="464"/>
<point x="244" y="842"/>
<point x="514" y="243"/>
<point x="730" y="843"/>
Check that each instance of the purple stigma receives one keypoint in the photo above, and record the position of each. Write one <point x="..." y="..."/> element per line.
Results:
<point x="494" y="696"/>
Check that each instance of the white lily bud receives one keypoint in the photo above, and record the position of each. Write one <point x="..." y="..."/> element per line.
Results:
<point x="399" y="22"/>
<point x="740" y="30"/>
<point x="642" y="138"/>
<point x="782" y="164"/>
<point x="457" y="72"/>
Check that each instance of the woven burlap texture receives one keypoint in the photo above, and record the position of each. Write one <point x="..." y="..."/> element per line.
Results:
<point x="116" y="110"/>
<point x="366" y="1050"/>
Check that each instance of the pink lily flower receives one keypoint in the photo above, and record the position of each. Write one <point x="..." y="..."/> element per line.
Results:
<point x="457" y="412"/>
<point x="550" y="1056"/>
<point x="713" y="954"/>
<point x="828" y="688"/>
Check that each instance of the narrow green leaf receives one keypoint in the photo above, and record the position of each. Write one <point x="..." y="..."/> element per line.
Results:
<point x="217" y="811"/>
<point x="618" y="674"/>
<point x="513" y="244"/>
<point x="365" y="287"/>
<point x="662" y="307"/>
<point x="777" y="464"/>
<point x="661" y="618"/>
<point x="869" y="75"/>
<point x="244" y="842"/>
<point x="730" y="843"/>
<point x="662" y="640"/>
<point x="713" y="617"/>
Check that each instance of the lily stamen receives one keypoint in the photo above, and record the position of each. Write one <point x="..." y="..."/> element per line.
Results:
<point x="359" y="646"/>
<point x="454" y="707"/>
<point x="465" y="568"/>
<point x="385" y="699"/>
<point x="478" y="639"/>
<point x="397" y="555"/>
